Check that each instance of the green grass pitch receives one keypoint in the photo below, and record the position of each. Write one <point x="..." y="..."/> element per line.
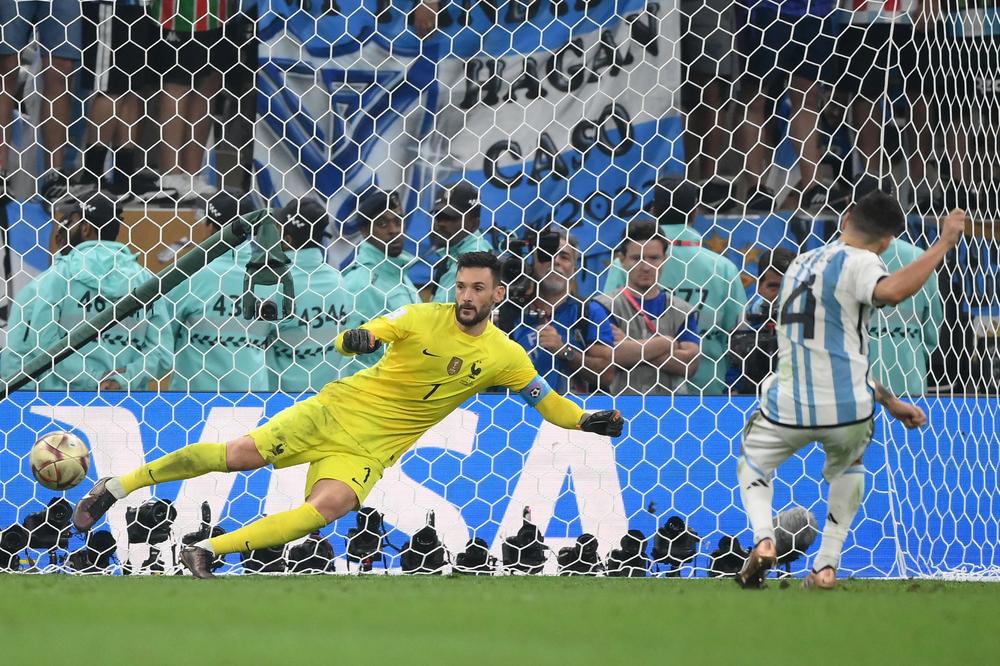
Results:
<point x="508" y="620"/>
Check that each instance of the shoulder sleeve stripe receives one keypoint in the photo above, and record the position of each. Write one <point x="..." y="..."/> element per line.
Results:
<point x="535" y="391"/>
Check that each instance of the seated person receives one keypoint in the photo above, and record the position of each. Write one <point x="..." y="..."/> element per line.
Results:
<point x="302" y="357"/>
<point x="216" y="347"/>
<point x="454" y="231"/>
<point x="569" y="339"/>
<point x="92" y="271"/>
<point x="377" y="280"/>
<point x="657" y="345"/>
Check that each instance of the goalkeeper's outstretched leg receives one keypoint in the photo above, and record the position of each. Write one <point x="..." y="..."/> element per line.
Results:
<point x="237" y="455"/>
<point x="329" y="499"/>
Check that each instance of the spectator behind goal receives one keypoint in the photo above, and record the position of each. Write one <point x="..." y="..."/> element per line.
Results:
<point x="377" y="280"/>
<point x="303" y="356"/>
<point x="215" y="347"/>
<point x="568" y="337"/>
<point x="95" y="272"/>
<point x="657" y="346"/>
<point x="709" y="282"/>
<point x="454" y="232"/>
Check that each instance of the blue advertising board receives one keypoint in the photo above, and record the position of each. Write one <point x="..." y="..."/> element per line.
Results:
<point x="930" y="506"/>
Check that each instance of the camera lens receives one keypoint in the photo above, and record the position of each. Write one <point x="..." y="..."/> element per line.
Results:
<point x="269" y="311"/>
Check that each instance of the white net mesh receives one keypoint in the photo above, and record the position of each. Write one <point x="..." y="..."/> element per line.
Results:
<point x="388" y="138"/>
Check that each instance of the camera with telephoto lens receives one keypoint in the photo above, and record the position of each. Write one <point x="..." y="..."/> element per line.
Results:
<point x="515" y="265"/>
<point x="267" y="310"/>
<point x="728" y="558"/>
<point x="150" y="522"/>
<point x="50" y="527"/>
<point x="13" y="540"/>
<point x="580" y="559"/>
<point x="629" y="560"/>
<point x="264" y="560"/>
<point x="476" y="560"/>
<point x="312" y="556"/>
<point x="364" y="542"/>
<point x="424" y="553"/>
<point x="525" y="551"/>
<point x="675" y="544"/>
<point x="96" y="555"/>
<point x="206" y="531"/>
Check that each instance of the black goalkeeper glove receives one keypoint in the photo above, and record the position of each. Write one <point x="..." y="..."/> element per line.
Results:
<point x="608" y="423"/>
<point x="360" y="341"/>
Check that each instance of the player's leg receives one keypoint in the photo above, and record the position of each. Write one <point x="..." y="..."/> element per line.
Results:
<point x="765" y="447"/>
<point x="236" y="455"/>
<point x="328" y="500"/>
<point x="335" y="485"/>
<point x="845" y="472"/>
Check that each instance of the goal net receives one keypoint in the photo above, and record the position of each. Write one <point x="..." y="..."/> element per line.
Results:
<point x="387" y="138"/>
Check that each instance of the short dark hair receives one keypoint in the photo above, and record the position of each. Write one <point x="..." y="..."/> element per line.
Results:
<point x="777" y="260"/>
<point x="878" y="215"/>
<point x="640" y="231"/>
<point x="481" y="260"/>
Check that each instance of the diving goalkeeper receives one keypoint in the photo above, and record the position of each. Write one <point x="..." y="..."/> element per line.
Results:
<point x="438" y="355"/>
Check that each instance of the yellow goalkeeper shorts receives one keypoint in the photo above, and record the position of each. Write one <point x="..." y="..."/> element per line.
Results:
<point x="306" y="432"/>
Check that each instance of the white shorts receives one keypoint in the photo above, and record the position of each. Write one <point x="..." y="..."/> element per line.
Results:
<point x="766" y="445"/>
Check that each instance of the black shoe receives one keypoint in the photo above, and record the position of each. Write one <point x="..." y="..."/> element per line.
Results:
<point x="198" y="561"/>
<point x="93" y="505"/>
<point x="760" y="200"/>
<point x="718" y="194"/>
<point x="814" y="199"/>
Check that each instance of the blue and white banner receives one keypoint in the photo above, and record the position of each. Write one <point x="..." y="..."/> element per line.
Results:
<point x="930" y="504"/>
<point x="560" y="111"/>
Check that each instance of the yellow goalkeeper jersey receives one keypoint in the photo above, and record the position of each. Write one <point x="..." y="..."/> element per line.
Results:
<point x="429" y="369"/>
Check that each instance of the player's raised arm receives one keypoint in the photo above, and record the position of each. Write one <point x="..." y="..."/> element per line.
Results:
<point x="911" y="278"/>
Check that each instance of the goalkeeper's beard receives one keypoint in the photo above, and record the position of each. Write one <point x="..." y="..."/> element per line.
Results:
<point x="466" y="319"/>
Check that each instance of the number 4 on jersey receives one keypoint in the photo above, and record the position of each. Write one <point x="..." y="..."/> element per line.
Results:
<point x="806" y="316"/>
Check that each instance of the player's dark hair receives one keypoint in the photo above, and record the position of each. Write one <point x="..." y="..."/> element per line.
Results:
<point x="878" y="215"/>
<point x="481" y="260"/>
<point x="640" y="231"/>
<point x="777" y="260"/>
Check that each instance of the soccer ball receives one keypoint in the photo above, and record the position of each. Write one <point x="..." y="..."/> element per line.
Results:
<point x="60" y="460"/>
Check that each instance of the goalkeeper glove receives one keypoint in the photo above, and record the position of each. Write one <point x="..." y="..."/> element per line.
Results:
<point x="608" y="423"/>
<point x="360" y="341"/>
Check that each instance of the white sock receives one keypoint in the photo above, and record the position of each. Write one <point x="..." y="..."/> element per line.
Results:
<point x="846" y="492"/>
<point x="757" y="493"/>
<point x="114" y="486"/>
<point x="204" y="543"/>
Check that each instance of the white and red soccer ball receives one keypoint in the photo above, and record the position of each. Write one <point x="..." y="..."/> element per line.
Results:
<point x="59" y="460"/>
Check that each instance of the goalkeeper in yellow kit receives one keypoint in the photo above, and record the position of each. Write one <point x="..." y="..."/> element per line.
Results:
<point x="438" y="356"/>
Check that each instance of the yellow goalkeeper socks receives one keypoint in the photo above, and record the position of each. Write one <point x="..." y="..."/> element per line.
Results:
<point x="269" y="531"/>
<point x="188" y="462"/>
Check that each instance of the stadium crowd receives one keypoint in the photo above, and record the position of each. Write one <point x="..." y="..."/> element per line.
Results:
<point x="669" y="315"/>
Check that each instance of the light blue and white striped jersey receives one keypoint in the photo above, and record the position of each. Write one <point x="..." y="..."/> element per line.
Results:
<point x="824" y="308"/>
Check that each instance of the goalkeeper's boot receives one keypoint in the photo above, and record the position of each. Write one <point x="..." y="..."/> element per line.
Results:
<point x="198" y="561"/>
<point x="755" y="569"/>
<point x="93" y="505"/>
<point x="824" y="579"/>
